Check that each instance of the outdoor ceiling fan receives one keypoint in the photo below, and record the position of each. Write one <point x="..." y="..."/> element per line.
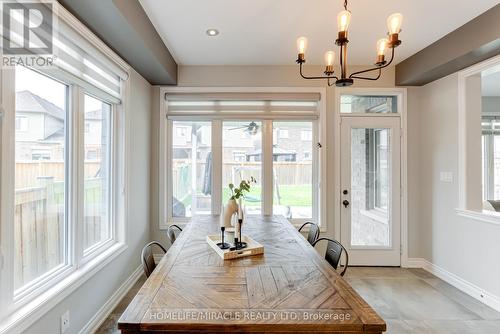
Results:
<point x="252" y="128"/>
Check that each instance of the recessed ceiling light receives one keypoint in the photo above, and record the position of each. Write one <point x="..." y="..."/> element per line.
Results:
<point x="212" y="32"/>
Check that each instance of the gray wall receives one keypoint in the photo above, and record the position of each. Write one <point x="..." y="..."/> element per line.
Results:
<point x="462" y="246"/>
<point x="282" y="76"/>
<point x="491" y="104"/>
<point x="91" y="296"/>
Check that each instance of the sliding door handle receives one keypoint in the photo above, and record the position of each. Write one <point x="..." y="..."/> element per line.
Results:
<point x="345" y="203"/>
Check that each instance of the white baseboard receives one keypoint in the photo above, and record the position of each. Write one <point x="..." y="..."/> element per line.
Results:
<point x="472" y="290"/>
<point x="111" y="303"/>
<point x="414" y="263"/>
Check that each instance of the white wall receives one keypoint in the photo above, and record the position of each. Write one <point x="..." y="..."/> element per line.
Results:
<point x="91" y="296"/>
<point x="462" y="246"/>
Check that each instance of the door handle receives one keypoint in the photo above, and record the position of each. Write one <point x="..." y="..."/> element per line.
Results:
<point x="345" y="203"/>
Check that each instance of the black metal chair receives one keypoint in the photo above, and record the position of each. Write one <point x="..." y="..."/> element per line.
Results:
<point x="333" y="253"/>
<point x="313" y="232"/>
<point x="147" y="258"/>
<point x="172" y="232"/>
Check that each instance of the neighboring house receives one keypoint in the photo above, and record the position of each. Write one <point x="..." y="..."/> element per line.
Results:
<point x="292" y="143"/>
<point x="40" y="130"/>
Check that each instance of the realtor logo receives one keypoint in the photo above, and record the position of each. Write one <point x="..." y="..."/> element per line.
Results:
<point x="27" y="28"/>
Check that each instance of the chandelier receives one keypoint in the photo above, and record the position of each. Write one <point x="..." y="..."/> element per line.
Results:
<point x="391" y="42"/>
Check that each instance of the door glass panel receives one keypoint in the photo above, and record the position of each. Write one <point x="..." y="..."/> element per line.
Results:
<point x="370" y="184"/>
<point x="191" y="168"/>
<point x="242" y="159"/>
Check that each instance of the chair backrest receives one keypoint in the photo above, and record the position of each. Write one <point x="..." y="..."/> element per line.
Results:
<point x="333" y="253"/>
<point x="172" y="232"/>
<point x="147" y="259"/>
<point x="313" y="233"/>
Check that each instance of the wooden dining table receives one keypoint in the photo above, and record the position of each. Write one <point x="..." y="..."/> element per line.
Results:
<point x="288" y="289"/>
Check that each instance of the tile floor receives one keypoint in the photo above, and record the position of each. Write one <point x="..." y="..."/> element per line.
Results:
<point x="410" y="301"/>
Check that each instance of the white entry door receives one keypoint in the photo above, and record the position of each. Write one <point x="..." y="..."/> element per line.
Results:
<point x="370" y="193"/>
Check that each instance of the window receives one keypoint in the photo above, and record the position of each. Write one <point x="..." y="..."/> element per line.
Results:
<point x="244" y="137"/>
<point x="191" y="168"/>
<point x="235" y="138"/>
<point x="239" y="156"/>
<point x="292" y="175"/>
<point x="21" y="123"/>
<point x="306" y="135"/>
<point x="40" y="154"/>
<point x="41" y="180"/>
<point x="63" y="176"/>
<point x="381" y="153"/>
<point x="368" y="104"/>
<point x="490" y="142"/>
<point x="283" y="133"/>
<point x="97" y="169"/>
<point x="372" y="146"/>
<point x="48" y="244"/>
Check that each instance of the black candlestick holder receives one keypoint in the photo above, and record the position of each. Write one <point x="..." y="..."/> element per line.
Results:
<point x="222" y="244"/>
<point x="238" y="242"/>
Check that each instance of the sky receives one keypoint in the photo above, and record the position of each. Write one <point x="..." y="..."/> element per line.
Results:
<point x="47" y="88"/>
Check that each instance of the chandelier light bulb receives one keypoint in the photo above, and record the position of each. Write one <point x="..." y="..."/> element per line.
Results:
<point x="344" y="78"/>
<point x="381" y="46"/>
<point x="394" y="22"/>
<point x="301" y="45"/>
<point x="329" y="58"/>
<point x="343" y="20"/>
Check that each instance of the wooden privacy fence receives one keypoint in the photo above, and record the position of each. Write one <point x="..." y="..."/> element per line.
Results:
<point x="39" y="228"/>
<point x="27" y="172"/>
<point x="286" y="173"/>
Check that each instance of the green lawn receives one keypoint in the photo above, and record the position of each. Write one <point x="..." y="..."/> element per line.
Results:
<point x="292" y="195"/>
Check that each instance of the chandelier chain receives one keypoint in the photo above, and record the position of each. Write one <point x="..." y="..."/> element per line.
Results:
<point x="345" y="4"/>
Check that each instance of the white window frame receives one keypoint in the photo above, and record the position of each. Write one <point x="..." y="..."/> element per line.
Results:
<point x="63" y="279"/>
<point x="23" y="123"/>
<point x="318" y="156"/>
<point x="470" y="193"/>
<point x="18" y="317"/>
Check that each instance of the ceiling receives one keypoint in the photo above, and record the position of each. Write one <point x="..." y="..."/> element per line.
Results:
<point x="490" y="84"/>
<point x="263" y="32"/>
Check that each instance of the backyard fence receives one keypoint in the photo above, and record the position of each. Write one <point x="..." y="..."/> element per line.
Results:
<point x="39" y="228"/>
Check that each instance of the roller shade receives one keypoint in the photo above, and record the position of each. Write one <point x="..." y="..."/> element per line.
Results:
<point x="490" y="125"/>
<point x="242" y="105"/>
<point x="78" y="59"/>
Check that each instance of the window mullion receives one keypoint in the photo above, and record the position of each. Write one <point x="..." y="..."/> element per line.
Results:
<point x="267" y="168"/>
<point x="77" y="174"/>
<point x="7" y="186"/>
<point x="216" y="167"/>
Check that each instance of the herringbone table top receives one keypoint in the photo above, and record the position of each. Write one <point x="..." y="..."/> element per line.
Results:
<point x="288" y="289"/>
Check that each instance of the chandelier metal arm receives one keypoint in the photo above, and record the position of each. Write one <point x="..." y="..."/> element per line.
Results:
<point x="354" y="75"/>
<point x="366" y="78"/>
<point x="322" y="77"/>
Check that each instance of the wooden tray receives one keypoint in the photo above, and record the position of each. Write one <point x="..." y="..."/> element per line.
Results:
<point x="253" y="248"/>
